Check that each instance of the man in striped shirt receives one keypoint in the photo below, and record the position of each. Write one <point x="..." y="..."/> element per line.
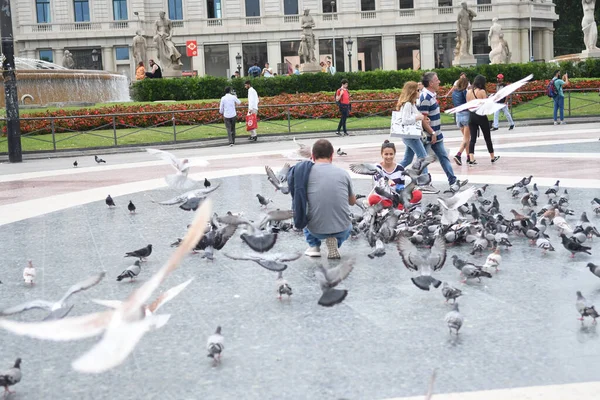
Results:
<point x="429" y="106"/>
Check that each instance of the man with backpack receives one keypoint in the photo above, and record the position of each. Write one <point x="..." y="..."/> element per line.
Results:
<point x="555" y="90"/>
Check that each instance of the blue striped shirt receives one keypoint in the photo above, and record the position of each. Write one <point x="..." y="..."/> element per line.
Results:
<point x="428" y="105"/>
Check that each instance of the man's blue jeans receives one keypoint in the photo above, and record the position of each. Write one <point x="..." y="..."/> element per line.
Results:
<point x="413" y="146"/>
<point x="440" y="152"/>
<point x="559" y="104"/>
<point x="314" y="239"/>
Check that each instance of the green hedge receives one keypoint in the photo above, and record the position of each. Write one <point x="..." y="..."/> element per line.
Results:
<point x="211" y="87"/>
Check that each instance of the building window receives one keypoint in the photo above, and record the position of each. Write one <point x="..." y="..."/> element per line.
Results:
<point x="256" y="53"/>
<point x="213" y="9"/>
<point x="216" y="59"/>
<point x="444" y="44"/>
<point x="326" y="53"/>
<point x="46" y="55"/>
<point x="82" y="10"/>
<point x="328" y="7"/>
<point x="482" y="2"/>
<point x="252" y="8"/>
<point x="122" y="53"/>
<point x="481" y="50"/>
<point x="444" y="3"/>
<point x="290" y="7"/>
<point x="185" y="60"/>
<point x="367" y="5"/>
<point x="289" y="51"/>
<point x="83" y="58"/>
<point x="369" y="53"/>
<point x="408" y="52"/>
<point x="407" y="4"/>
<point x="175" y="10"/>
<point x="120" y="10"/>
<point x="42" y="8"/>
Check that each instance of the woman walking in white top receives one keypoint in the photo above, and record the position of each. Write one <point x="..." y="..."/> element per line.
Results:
<point x="252" y="106"/>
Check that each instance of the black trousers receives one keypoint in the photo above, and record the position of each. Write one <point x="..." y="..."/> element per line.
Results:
<point x="230" y="125"/>
<point x="480" y="122"/>
<point x="344" y="110"/>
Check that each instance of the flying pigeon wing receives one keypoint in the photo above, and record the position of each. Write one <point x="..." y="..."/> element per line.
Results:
<point x="303" y="150"/>
<point x="180" y="181"/>
<point x="168" y="296"/>
<point x="508" y="89"/>
<point x="83" y="285"/>
<point x="458" y="199"/>
<point x="45" y="305"/>
<point x="170" y="158"/>
<point x="409" y="253"/>
<point x="272" y="177"/>
<point x="470" y="106"/>
<point x="66" y="329"/>
<point x="437" y="256"/>
<point x="282" y="174"/>
<point x="116" y="345"/>
<point x="109" y="303"/>
<point x="261" y="242"/>
<point x="364" y="169"/>
<point x="334" y="276"/>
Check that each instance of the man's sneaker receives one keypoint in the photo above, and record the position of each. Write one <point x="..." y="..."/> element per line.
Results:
<point x="346" y="134"/>
<point x="510" y="128"/>
<point x="495" y="159"/>
<point x="428" y="189"/>
<point x="313" y="252"/>
<point x="457" y="160"/>
<point x="563" y="123"/>
<point x="456" y="186"/>
<point x="250" y="138"/>
<point x="332" y="248"/>
<point x="339" y="133"/>
<point x="555" y="122"/>
<point x="494" y="129"/>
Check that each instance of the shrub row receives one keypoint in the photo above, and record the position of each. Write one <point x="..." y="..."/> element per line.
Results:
<point x="306" y="105"/>
<point x="211" y="87"/>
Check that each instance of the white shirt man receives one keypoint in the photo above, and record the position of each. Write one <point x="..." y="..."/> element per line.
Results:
<point x="252" y="106"/>
<point x="227" y="109"/>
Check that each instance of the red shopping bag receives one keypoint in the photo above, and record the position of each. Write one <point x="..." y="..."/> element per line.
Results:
<point x="251" y="122"/>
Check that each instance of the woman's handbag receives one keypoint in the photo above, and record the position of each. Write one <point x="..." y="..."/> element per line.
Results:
<point x="400" y="130"/>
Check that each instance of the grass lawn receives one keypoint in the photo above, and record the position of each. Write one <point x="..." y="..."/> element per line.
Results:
<point x="580" y="103"/>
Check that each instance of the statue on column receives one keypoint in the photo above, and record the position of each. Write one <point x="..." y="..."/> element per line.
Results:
<point x="168" y="54"/>
<point x="68" y="61"/>
<point x="464" y="28"/>
<point x="307" y="23"/>
<point x="588" y="25"/>
<point x="139" y="48"/>
<point x="494" y="33"/>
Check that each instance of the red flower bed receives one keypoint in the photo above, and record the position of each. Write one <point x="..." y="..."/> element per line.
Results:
<point x="298" y="105"/>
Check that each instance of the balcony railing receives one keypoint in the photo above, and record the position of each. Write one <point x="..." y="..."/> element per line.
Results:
<point x="42" y="28"/>
<point x="177" y="24"/>
<point x="368" y="15"/>
<point x="484" y="8"/>
<point x="293" y="19"/>
<point x="330" y="17"/>
<point x="120" y="25"/>
<point x="407" y="13"/>
<point x="445" y="10"/>
<point x="80" y="26"/>
<point x="252" y="20"/>
<point x="214" y="22"/>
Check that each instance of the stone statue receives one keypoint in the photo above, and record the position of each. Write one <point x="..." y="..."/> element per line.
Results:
<point x="501" y="53"/>
<point x="307" y="23"/>
<point x="303" y="51"/>
<point x="494" y="33"/>
<point x="68" y="61"/>
<point x="139" y="48"/>
<point x="167" y="52"/>
<point x="464" y="28"/>
<point x="588" y="25"/>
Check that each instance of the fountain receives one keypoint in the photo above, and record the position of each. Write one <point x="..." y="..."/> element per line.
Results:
<point x="52" y="84"/>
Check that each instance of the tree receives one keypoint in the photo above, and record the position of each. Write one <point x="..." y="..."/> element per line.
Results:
<point x="568" y="36"/>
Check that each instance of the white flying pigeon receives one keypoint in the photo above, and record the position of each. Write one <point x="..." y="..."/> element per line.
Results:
<point x="178" y="180"/>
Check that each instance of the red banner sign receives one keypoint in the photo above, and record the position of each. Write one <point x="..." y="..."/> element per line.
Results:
<point x="192" y="48"/>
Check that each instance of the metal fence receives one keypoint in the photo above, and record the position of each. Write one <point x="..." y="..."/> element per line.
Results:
<point x="179" y="125"/>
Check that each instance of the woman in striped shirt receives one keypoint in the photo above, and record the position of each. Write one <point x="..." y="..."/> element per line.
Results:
<point x="393" y="171"/>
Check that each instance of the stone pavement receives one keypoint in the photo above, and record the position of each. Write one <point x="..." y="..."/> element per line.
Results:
<point x="382" y="342"/>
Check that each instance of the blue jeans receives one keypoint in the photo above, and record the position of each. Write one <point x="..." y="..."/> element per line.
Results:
<point x="440" y="152"/>
<point x="413" y="146"/>
<point x="506" y="113"/>
<point x="314" y="239"/>
<point x="559" y="104"/>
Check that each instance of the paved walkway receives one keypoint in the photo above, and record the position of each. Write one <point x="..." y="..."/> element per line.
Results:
<point x="520" y="334"/>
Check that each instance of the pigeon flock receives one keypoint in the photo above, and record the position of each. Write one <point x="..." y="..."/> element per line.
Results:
<point x="473" y="223"/>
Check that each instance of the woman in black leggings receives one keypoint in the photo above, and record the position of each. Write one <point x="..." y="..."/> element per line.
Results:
<point x="479" y="122"/>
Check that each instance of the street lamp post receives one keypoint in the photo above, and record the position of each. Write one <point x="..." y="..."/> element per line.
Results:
<point x="333" y="31"/>
<point x="238" y="60"/>
<point x="530" y="32"/>
<point x="349" y="44"/>
<point x="95" y="58"/>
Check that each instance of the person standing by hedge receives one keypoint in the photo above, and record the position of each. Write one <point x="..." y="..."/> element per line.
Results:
<point x="252" y="106"/>
<point x="559" y="97"/>
<point x="500" y="85"/>
<point x="254" y="70"/>
<point x="227" y="109"/>
<point x="342" y="98"/>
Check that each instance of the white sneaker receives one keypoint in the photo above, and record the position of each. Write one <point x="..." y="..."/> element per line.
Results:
<point x="563" y="123"/>
<point x="313" y="252"/>
<point x="332" y="248"/>
<point x="429" y="189"/>
<point x="555" y="122"/>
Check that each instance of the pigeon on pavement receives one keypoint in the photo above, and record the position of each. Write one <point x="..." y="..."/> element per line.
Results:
<point x="328" y="280"/>
<point x="553" y="190"/>
<point x="454" y="319"/>
<point x="99" y="160"/>
<point x="110" y="202"/>
<point x="142" y="253"/>
<point x="11" y="377"/>
<point x="544" y="244"/>
<point x="58" y="309"/>
<point x="215" y="345"/>
<point x="263" y="200"/>
<point x="450" y="292"/>
<point x="379" y="250"/>
<point x="272" y="262"/>
<point x="594" y="269"/>
<point x="494" y="260"/>
<point x="341" y="153"/>
<point x="596" y="205"/>
<point x="206" y="183"/>
<point x="585" y="309"/>
<point x="470" y="270"/>
<point x="573" y="246"/>
<point x="282" y="286"/>
<point x="424" y="263"/>
<point x="131" y="272"/>
<point x="75" y="164"/>
<point x="131" y="207"/>
<point x="29" y="273"/>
